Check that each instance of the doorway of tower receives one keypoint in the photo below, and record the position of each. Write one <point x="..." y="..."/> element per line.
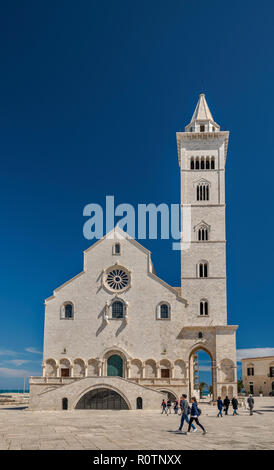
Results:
<point x="200" y="375"/>
<point x="102" y="399"/>
<point x="170" y="395"/>
<point x="115" y="366"/>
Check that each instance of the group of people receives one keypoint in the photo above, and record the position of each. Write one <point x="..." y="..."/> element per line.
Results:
<point x="194" y="411"/>
<point x="186" y="410"/>
<point x="225" y="405"/>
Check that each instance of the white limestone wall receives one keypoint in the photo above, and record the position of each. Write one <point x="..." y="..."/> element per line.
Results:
<point x="88" y="336"/>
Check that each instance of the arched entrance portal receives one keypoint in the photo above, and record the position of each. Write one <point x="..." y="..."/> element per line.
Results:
<point x="115" y="366"/>
<point x="102" y="399"/>
<point x="170" y="395"/>
<point x="201" y="375"/>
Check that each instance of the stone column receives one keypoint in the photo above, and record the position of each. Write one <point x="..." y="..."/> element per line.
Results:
<point x="128" y="369"/>
<point x="72" y="370"/>
<point x="214" y="379"/>
<point x="100" y="368"/>
<point x="158" y="371"/>
<point x="44" y="369"/>
<point x="143" y="372"/>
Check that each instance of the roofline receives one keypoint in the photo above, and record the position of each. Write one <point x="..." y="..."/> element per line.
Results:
<point x="125" y="235"/>
<point x="255" y="358"/>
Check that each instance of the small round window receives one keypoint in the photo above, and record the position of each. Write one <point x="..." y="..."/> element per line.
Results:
<point x="117" y="279"/>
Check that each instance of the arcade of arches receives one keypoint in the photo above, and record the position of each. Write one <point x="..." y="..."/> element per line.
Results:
<point x="172" y="377"/>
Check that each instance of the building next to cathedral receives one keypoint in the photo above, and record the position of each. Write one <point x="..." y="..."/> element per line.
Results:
<point x="258" y="375"/>
<point x="119" y="337"/>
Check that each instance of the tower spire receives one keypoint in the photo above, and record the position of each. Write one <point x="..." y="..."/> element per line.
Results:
<point x="202" y="120"/>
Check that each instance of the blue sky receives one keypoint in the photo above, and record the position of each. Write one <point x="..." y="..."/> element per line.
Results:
<point x="91" y="93"/>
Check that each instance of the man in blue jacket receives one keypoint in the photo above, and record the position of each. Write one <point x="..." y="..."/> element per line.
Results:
<point x="220" y="407"/>
<point x="185" y="411"/>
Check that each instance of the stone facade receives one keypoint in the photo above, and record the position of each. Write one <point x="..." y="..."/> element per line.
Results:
<point x="118" y="318"/>
<point x="258" y="375"/>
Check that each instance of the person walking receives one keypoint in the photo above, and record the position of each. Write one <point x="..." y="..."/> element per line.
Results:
<point x="176" y="406"/>
<point x="226" y="404"/>
<point x="220" y="407"/>
<point x="234" y="402"/>
<point x="168" y="405"/>
<point x="184" y="413"/>
<point x="194" y="415"/>
<point x="250" y="402"/>
<point x="163" y="405"/>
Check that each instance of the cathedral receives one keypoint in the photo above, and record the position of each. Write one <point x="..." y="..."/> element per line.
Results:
<point x="116" y="336"/>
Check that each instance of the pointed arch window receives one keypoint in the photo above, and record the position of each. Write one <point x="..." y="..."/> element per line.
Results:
<point x="202" y="192"/>
<point x="192" y="164"/>
<point x="203" y="234"/>
<point x="203" y="269"/>
<point x="212" y="163"/>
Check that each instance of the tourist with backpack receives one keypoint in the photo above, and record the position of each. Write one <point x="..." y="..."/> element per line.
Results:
<point x="185" y="410"/>
<point x="194" y="415"/>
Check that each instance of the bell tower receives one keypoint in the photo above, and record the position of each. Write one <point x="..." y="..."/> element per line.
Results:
<point x="202" y="151"/>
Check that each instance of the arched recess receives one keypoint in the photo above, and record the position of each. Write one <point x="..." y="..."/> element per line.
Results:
<point x="104" y="357"/>
<point x="226" y="371"/>
<point x="223" y="392"/>
<point x="79" y="368"/>
<point x="165" y="368"/>
<point x="65" y="367"/>
<point x="150" y="369"/>
<point x="139" y="403"/>
<point x="51" y="368"/>
<point x="64" y="403"/>
<point x="93" y="368"/>
<point x="179" y="369"/>
<point x="195" y="372"/>
<point x="102" y="398"/>
<point x="136" y="369"/>
<point x="115" y="366"/>
<point x="170" y="395"/>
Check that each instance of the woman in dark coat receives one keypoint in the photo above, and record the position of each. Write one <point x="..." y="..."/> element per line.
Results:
<point x="234" y="402"/>
<point x="194" y="416"/>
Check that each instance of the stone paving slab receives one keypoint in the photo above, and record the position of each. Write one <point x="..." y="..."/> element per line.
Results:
<point x="140" y="430"/>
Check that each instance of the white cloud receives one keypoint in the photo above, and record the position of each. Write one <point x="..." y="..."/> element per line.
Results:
<point x="17" y="362"/>
<point x="6" y="372"/>
<point x="7" y="352"/>
<point x="33" y="350"/>
<point x="254" y="352"/>
<point x="205" y="368"/>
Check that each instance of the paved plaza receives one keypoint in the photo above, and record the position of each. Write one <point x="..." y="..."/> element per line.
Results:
<point x="21" y="428"/>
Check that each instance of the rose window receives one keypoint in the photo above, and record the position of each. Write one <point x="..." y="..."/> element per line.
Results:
<point x="117" y="279"/>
